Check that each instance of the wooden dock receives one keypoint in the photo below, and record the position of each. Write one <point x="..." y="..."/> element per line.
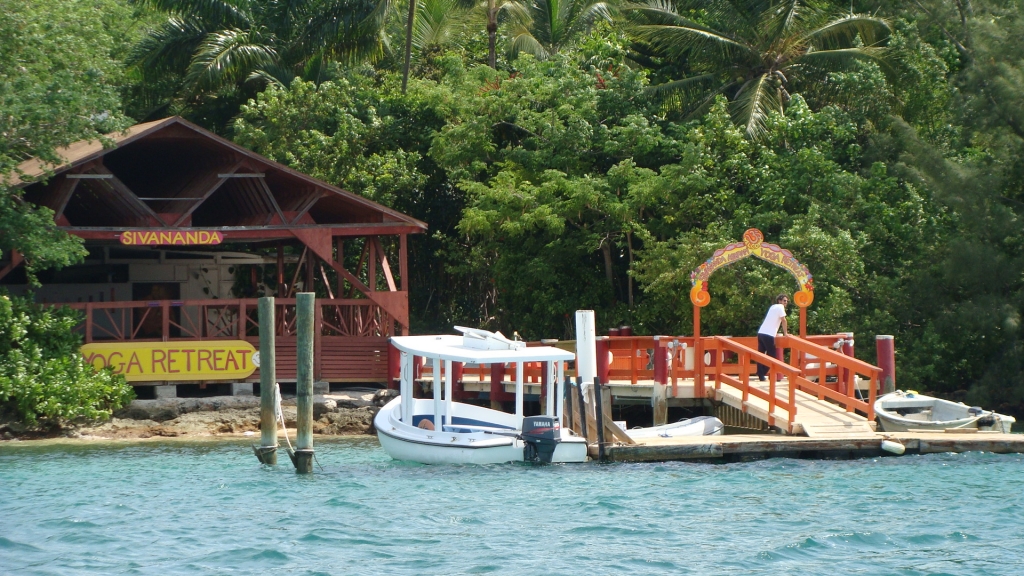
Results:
<point x="738" y="448"/>
<point x="821" y="429"/>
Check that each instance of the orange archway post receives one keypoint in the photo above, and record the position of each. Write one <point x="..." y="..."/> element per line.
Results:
<point x="753" y="244"/>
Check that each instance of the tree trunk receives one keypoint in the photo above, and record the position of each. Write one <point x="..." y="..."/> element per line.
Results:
<point x="606" y="251"/>
<point x="408" y="44"/>
<point x="492" y="35"/>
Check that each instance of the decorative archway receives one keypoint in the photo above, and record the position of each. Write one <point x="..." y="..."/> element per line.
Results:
<point x="753" y="244"/>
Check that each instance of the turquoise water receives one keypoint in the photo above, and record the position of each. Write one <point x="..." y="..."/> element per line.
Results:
<point x="209" y="508"/>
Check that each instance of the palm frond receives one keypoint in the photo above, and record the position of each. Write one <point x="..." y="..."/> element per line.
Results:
<point x="840" y="58"/>
<point x="524" y="41"/>
<point x="437" y="21"/>
<point x="227" y="57"/>
<point x="217" y="13"/>
<point x="168" y="47"/>
<point x="678" y="41"/>
<point x="348" y="30"/>
<point x="694" y="95"/>
<point x="516" y="13"/>
<point x="659" y="25"/>
<point x="842" y="31"/>
<point x="757" y="98"/>
<point x="689" y="85"/>
<point x="272" y="76"/>
<point x="784" y="17"/>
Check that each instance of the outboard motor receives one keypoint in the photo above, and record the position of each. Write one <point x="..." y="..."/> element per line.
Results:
<point x="541" y="434"/>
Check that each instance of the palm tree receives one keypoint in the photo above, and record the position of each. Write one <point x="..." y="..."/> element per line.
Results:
<point x="752" y="51"/>
<point x="437" y="24"/>
<point x="212" y="46"/>
<point x="492" y="10"/>
<point x="544" y="27"/>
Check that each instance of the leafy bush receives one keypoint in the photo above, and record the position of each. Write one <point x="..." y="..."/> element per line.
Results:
<point x="43" y="376"/>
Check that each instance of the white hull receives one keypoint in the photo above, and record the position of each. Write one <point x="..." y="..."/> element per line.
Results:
<point x="902" y="412"/>
<point x="700" y="426"/>
<point x="478" y="436"/>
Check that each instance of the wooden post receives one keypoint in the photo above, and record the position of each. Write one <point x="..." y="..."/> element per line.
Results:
<point x="545" y="384"/>
<point x="566" y="401"/>
<point x="886" y="348"/>
<point x="599" y="411"/>
<point x="267" y="452"/>
<point x="698" y="356"/>
<point x="280" y="270"/>
<point x="659" y="393"/>
<point x="303" y="459"/>
<point x="582" y="406"/>
<point x="844" y="377"/>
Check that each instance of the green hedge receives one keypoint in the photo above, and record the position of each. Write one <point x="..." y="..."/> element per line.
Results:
<point x="43" y="377"/>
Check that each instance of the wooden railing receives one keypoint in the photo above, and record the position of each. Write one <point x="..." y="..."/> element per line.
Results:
<point x="737" y="374"/>
<point x="168" y="320"/>
<point x="350" y="346"/>
<point x="718" y="346"/>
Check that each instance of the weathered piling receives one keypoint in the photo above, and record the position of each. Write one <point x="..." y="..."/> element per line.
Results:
<point x="267" y="451"/>
<point x="303" y="459"/>
<point x="659" y="392"/>
<point x="885" y="345"/>
<point x="599" y="411"/>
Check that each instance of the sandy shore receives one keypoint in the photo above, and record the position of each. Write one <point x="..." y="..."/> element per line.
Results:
<point x="337" y="414"/>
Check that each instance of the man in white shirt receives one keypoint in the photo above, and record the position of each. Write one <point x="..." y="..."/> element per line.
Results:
<point x="769" y="328"/>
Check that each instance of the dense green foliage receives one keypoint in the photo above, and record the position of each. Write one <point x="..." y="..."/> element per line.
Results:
<point x="578" y="154"/>
<point x="43" y="378"/>
<point x="58" y="83"/>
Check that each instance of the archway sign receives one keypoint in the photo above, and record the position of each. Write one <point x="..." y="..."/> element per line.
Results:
<point x="753" y="244"/>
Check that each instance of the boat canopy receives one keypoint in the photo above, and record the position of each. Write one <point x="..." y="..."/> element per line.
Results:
<point x="475" y="347"/>
<point x="469" y="348"/>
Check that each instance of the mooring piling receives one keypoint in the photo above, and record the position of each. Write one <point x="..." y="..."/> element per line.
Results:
<point x="599" y="411"/>
<point x="303" y="457"/>
<point x="267" y="451"/>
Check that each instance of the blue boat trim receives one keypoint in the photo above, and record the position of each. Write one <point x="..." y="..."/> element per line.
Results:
<point x="458" y="421"/>
<point x="435" y="444"/>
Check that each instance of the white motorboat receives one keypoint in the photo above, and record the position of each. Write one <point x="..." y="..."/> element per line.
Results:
<point x="901" y="411"/>
<point x="442" y="431"/>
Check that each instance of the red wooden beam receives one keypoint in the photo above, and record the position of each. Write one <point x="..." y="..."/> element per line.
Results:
<point x="243" y="233"/>
<point x="16" y="259"/>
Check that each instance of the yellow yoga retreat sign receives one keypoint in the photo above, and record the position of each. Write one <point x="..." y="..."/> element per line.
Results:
<point x="182" y="360"/>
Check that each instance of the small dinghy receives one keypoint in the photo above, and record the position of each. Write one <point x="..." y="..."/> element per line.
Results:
<point x="902" y="411"/>
<point x="699" y="426"/>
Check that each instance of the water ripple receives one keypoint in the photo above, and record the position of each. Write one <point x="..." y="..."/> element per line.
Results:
<point x="209" y="508"/>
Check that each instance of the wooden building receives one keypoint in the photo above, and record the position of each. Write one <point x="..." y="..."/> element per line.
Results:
<point x="185" y="230"/>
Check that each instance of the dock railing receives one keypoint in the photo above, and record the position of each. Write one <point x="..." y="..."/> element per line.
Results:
<point x="847" y="370"/>
<point x="737" y="374"/>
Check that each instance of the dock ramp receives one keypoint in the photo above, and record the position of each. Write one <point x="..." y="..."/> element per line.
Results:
<point x="789" y="399"/>
<point x="814" y="418"/>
